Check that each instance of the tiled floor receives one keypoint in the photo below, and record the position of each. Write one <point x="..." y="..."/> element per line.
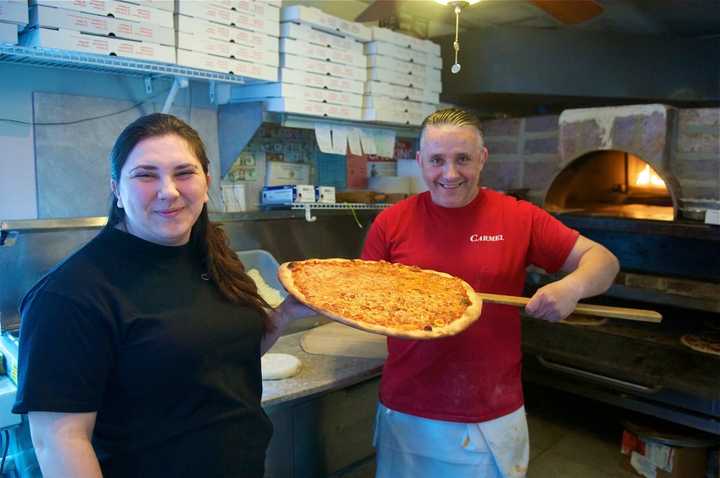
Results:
<point x="572" y="437"/>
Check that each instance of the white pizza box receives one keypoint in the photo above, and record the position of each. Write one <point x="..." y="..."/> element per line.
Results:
<point x="402" y="79"/>
<point x="288" y="90"/>
<point x="51" y="17"/>
<point x="167" y="5"/>
<point x="14" y="12"/>
<point x="204" y="61"/>
<point x="305" y="32"/>
<point x="310" y="50"/>
<point x="405" y="41"/>
<point x="215" y="31"/>
<point x="414" y="108"/>
<point x="319" y="19"/>
<point x="296" y="62"/>
<point x="401" y="92"/>
<point x="227" y="49"/>
<point x="396" y="51"/>
<point x="207" y="11"/>
<point x="8" y="33"/>
<point x="403" y="53"/>
<point x="384" y="102"/>
<point x="249" y="7"/>
<point x="391" y="116"/>
<point x="315" y="80"/>
<point x="274" y="3"/>
<point x="389" y="63"/>
<point x="115" y="9"/>
<point x="313" y="108"/>
<point x="77" y="41"/>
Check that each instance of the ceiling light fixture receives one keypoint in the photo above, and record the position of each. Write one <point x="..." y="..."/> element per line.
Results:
<point x="458" y="5"/>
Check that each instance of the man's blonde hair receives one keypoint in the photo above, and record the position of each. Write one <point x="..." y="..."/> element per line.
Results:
<point x="453" y="117"/>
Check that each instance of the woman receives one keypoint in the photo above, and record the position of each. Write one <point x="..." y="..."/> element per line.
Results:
<point x="140" y="353"/>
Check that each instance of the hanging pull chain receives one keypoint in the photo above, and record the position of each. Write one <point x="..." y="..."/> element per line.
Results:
<point x="455" y="69"/>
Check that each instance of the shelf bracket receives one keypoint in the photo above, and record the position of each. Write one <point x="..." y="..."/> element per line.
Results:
<point x="308" y="214"/>
<point x="148" y="85"/>
<point x="211" y="91"/>
<point x="179" y="82"/>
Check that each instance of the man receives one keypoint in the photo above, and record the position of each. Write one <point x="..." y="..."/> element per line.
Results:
<point x="453" y="407"/>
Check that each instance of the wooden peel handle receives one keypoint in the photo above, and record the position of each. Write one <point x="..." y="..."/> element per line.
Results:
<point x="639" y="315"/>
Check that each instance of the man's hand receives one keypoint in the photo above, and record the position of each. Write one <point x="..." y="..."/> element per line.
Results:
<point x="553" y="302"/>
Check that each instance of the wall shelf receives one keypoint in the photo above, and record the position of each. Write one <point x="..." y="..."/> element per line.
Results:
<point x="50" y="57"/>
<point x="308" y="207"/>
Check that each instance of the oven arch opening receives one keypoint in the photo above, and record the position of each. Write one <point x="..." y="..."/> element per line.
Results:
<point x="612" y="183"/>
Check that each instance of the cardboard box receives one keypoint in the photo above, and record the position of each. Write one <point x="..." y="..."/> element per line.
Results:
<point x="396" y="51"/>
<point x="50" y="17"/>
<point x="8" y="33"/>
<point x="215" y="31"/>
<point x="204" y="61"/>
<point x="325" y="194"/>
<point x="315" y="80"/>
<point x="423" y="73"/>
<point x="249" y="7"/>
<point x="405" y="41"/>
<point x="283" y="172"/>
<point x="225" y="49"/>
<point x="14" y="12"/>
<point x="207" y="11"/>
<point x="167" y="5"/>
<point x="391" y="116"/>
<point x="323" y="53"/>
<point x="288" y="194"/>
<point x="301" y="31"/>
<point x="651" y="458"/>
<point x="402" y="79"/>
<point x="279" y="90"/>
<point x="319" y="19"/>
<point x="121" y="10"/>
<point x="76" y="41"/>
<point x="296" y="62"/>
<point x="313" y="108"/>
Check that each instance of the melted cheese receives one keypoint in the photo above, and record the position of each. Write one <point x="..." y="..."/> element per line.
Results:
<point x="381" y="293"/>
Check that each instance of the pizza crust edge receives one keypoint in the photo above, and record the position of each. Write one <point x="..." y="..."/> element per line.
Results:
<point x="471" y="314"/>
<point x="687" y="340"/>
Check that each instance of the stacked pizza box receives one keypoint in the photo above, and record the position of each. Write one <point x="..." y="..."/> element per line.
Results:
<point x="322" y="66"/>
<point x="142" y="29"/>
<point x="13" y="18"/>
<point x="403" y="78"/>
<point x="230" y="36"/>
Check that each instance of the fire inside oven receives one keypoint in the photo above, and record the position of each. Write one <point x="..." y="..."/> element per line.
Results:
<point x="611" y="183"/>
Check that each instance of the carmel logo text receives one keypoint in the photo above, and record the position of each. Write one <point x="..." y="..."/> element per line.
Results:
<point x="486" y="238"/>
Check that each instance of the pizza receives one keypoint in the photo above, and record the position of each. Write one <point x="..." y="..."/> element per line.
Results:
<point x="706" y="342"/>
<point x="382" y="297"/>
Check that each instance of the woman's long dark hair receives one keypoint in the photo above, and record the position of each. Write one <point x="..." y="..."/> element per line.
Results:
<point x="223" y="265"/>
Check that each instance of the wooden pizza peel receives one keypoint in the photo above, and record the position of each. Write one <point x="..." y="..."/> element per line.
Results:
<point x="341" y="340"/>
<point x="623" y="313"/>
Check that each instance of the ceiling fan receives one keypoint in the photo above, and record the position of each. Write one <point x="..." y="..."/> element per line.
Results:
<point x="565" y="12"/>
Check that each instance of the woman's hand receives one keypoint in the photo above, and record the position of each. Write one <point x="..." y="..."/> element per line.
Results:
<point x="290" y="309"/>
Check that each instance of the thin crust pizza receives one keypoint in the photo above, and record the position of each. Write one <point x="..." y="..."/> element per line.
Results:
<point x="705" y="342"/>
<point x="382" y="297"/>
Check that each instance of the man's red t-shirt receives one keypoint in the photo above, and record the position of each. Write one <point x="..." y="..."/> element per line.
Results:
<point x="473" y="376"/>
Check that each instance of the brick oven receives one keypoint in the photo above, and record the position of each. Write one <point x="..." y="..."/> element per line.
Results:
<point x="641" y="180"/>
<point x="682" y="146"/>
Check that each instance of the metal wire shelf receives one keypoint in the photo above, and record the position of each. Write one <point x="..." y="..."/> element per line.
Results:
<point x="50" y="57"/>
<point x="308" y="207"/>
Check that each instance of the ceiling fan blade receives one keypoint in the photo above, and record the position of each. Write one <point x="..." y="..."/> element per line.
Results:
<point x="378" y="10"/>
<point x="570" y="12"/>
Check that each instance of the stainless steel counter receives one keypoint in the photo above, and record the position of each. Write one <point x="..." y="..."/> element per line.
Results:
<point x="319" y="373"/>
